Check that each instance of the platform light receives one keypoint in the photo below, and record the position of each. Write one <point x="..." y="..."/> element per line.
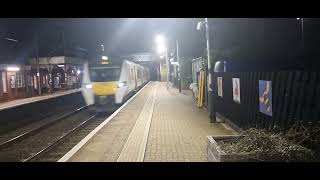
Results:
<point x="89" y="86"/>
<point x="105" y="58"/>
<point x="161" y="57"/>
<point x="161" y="49"/>
<point x="78" y="72"/>
<point x="298" y="19"/>
<point x="160" y="39"/>
<point x="13" y="69"/>
<point x="199" y="25"/>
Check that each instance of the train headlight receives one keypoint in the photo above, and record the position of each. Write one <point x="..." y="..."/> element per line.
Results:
<point x="122" y="84"/>
<point x="89" y="86"/>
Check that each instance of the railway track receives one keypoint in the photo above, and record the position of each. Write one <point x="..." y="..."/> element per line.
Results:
<point x="52" y="140"/>
<point x="66" y="143"/>
<point x="35" y="142"/>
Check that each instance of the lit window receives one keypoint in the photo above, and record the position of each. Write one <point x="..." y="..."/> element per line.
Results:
<point x="30" y="82"/>
<point x="12" y="81"/>
<point x="19" y="80"/>
<point x="4" y="82"/>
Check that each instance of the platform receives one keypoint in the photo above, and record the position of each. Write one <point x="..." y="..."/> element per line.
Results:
<point x="20" y="102"/>
<point x="157" y="124"/>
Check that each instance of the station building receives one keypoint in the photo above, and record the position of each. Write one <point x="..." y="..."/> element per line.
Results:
<point x="57" y="73"/>
<point x="16" y="82"/>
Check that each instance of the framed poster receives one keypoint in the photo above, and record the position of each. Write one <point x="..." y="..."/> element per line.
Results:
<point x="265" y="97"/>
<point x="219" y="82"/>
<point x="236" y="89"/>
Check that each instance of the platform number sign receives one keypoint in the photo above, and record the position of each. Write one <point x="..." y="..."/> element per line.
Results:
<point x="219" y="82"/>
<point x="265" y="97"/>
<point x="236" y="89"/>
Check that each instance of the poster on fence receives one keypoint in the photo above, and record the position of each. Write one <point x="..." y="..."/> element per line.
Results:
<point x="265" y="97"/>
<point x="219" y="82"/>
<point x="236" y="89"/>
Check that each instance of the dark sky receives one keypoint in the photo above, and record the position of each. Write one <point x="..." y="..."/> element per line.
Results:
<point x="119" y="36"/>
<point x="277" y="36"/>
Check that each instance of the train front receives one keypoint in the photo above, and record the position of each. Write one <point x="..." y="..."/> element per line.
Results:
<point x="100" y="86"/>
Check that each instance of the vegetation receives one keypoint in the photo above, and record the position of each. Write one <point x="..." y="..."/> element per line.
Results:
<point x="263" y="145"/>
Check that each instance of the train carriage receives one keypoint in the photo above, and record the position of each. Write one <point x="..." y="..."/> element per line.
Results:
<point x="107" y="84"/>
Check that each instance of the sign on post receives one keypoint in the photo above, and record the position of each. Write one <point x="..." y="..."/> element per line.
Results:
<point x="219" y="82"/>
<point x="265" y="97"/>
<point x="236" y="89"/>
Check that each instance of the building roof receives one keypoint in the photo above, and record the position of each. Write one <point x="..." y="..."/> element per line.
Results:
<point x="58" y="60"/>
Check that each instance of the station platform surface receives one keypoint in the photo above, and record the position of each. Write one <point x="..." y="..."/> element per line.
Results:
<point x="157" y="124"/>
<point x="20" y="102"/>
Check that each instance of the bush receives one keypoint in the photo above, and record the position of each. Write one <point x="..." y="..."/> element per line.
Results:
<point x="262" y="145"/>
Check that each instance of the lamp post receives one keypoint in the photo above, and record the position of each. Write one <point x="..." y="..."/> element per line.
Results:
<point x="211" y="93"/>
<point x="160" y="40"/>
<point x="179" y="68"/>
<point x="36" y="46"/>
<point x="302" y="32"/>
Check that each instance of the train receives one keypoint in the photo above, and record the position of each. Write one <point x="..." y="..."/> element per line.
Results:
<point x="107" y="84"/>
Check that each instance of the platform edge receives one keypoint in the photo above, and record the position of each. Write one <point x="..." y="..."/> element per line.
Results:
<point x="76" y="148"/>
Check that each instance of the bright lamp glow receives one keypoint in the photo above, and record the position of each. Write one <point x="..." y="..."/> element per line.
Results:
<point x="78" y="72"/>
<point x="161" y="49"/>
<point x="160" y="39"/>
<point x="88" y="86"/>
<point x="298" y="18"/>
<point x="13" y="69"/>
<point x="161" y="57"/>
<point x="105" y="58"/>
<point x="199" y="26"/>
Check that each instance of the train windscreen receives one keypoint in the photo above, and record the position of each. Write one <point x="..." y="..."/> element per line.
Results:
<point x="104" y="74"/>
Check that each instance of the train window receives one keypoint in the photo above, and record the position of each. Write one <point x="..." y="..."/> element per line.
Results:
<point x="104" y="74"/>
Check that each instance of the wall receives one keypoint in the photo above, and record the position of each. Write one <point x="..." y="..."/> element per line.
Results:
<point x="295" y="98"/>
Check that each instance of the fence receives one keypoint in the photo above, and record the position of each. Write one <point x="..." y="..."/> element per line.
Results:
<point x="295" y="97"/>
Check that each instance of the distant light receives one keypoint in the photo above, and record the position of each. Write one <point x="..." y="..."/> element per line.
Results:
<point x="160" y="40"/>
<point x="199" y="26"/>
<point x="9" y="39"/>
<point x="60" y="65"/>
<point x="161" y="49"/>
<point x="161" y="57"/>
<point x="78" y="72"/>
<point x="105" y="58"/>
<point x="38" y="74"/>
<point x="298" y="18"/>
<point x="13" y="69"/>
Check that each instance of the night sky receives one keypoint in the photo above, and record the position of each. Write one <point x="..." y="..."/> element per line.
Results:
<point x="119" y="36"/>
<point x="268" y="37"/>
